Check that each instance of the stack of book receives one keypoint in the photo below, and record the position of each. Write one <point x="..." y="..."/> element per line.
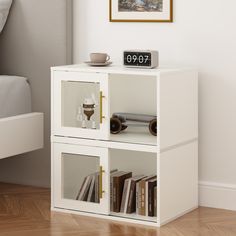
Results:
<point x="89" y="190"/>
<point x="146" y="196"/>
<point x="117" y="180"/>
<point x="128" y="203"/>
<point x="137" y="194"/>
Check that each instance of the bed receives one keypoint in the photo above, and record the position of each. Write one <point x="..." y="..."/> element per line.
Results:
<point x="15" y="96"/>
<point x="21" y="130"/>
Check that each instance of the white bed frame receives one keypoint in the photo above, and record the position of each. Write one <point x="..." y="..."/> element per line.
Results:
<point x="21" y="134"/>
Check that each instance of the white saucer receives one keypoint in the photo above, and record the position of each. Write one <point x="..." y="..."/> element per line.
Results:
<point x="98" y="64"/>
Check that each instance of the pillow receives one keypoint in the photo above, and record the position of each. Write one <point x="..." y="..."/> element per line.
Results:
<point x="4" y="10"/>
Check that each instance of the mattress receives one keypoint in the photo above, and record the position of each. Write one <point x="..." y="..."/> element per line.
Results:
<point x="15" y="96"/>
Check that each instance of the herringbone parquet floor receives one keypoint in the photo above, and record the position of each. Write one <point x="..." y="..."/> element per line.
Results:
<point x="24" y="211"/>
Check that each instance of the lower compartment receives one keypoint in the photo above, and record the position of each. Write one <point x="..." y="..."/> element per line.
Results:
<point x="133" y="185"/>
<point x="106" y="181"/>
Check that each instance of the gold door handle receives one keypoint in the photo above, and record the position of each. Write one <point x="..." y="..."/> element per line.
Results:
<point x="101" y="107"/>
<point x="100" y="182"/>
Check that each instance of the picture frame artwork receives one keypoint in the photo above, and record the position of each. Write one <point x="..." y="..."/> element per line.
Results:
<point x="141" y="10"/>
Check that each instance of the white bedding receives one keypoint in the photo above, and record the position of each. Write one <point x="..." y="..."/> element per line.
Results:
<point x="4" y="10"/>
<point x="15" y="96"/>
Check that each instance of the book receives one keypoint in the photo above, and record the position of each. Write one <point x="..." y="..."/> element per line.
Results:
<point x="138" y="198"/>
<point x="155" y="201"/>
<point x="131" y="206"/>
<point x="84" y="189"/>
<point x="146" y="198"/>
<point x="113" y="173"/>
<point x="151" y="185"/>
<point x="143" y="195"/>
<point x="118" y="185"/>
<point x="125" y="195"/>
<point x="79" y="197"/>
<point x="91" y="193"/>
<point x="97" y="198"/>
<point x="81" y="187"/>
<point x="114" y="191"/>
<point x="89" y="190"/>
<point x="84" y="196"/>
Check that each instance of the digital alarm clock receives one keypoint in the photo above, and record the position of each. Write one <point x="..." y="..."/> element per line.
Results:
<point x="141" y="59"/>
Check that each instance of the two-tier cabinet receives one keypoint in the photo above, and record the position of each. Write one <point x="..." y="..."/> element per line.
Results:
<point x="131" y="175"/>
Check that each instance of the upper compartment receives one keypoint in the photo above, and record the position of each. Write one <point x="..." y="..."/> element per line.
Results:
<point x="4" y="11"/>
<point x="87" y="103"/>
<point x="134" y="98"/>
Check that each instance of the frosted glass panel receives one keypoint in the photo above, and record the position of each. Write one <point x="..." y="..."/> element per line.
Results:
<point x="80" y="177"/>
<point x="80" y="104"/>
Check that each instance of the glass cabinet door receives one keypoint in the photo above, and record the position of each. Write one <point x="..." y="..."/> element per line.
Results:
<point x="80" y="103"/>
<point x="81" y="178"/>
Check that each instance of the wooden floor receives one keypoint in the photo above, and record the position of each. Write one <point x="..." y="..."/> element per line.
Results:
<point x="24" y="211"/>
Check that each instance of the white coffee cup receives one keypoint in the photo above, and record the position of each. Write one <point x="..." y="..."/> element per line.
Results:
<point x="99" y="57"/>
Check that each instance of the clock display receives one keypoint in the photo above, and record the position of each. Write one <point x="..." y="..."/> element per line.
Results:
<point x="137" y="59"/>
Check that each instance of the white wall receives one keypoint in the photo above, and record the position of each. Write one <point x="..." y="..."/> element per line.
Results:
<point x="203" y="35"/>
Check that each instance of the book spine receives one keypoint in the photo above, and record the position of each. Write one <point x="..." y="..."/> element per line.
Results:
<point x="137" y="198"/>
<point x="122" y="207"/>
<point x="127" y="196"/>
<point x="150" y="199"/>
<point x="86" y="192"/>
<point x="111" y="193"/>
<point x="77" y="197"/>
<point x="91" y="189"/>
<point x="142" y="190"/>
<point x="119" y="189"/>
<point x="97" y="200"/>
<point x="131" y="201"/>
<point x="155" y="201"/>
<point x="83" y="189"/>
<point x="146" y="198"/>
<point x="115" y="194"/>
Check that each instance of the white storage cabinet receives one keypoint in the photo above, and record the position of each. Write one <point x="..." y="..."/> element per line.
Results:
<point x="82" y="144"/>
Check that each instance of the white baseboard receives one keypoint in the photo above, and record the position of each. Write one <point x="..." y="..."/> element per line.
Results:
<point x="217" y="195"/>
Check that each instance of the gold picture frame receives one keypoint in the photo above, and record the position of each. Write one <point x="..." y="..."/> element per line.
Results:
<point x="160" y="11"/>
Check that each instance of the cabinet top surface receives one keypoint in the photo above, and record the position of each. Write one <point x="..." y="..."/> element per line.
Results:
<point x="119" y="69"/>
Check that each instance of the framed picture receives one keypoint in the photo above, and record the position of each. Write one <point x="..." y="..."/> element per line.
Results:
<point x="141" y="10"/>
